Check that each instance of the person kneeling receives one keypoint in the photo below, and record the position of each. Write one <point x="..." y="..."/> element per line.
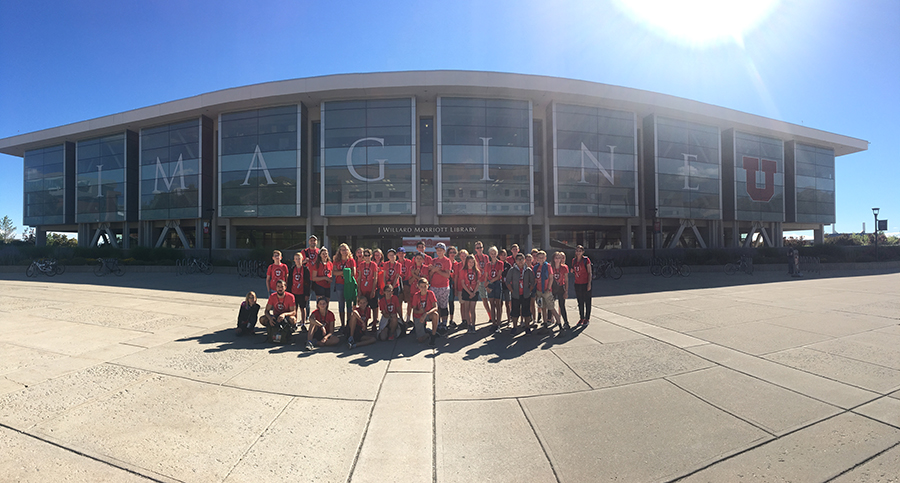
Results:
<point x="280" y="317"/>
<point x="423" y="307"/>
<point x="356" y="327"/>
<point x="321" y="326"/>
<point x="390" y="314"/>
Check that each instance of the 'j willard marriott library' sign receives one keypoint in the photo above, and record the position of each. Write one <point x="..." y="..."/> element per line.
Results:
<point x="427" y="230"/>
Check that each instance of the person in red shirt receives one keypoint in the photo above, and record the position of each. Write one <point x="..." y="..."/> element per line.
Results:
<point x="299" y="278"/>
<point x="420" y="248"/>
<point x="405" y="264"/>
<point x="561" y="285"/>
<point x="320" y="275"/>
<point x="356" y="325"/>
<point x="310" y="254"/>
<point x="482" y="259"/>
<point x="281" y="307"/>
<point x="423" y="307"/>
<point x="493" y="276"/>
<point x="451" y="300"/>
<point x="467" y="278"/>
<point x="344" y="259"/>
<point x="367" y="280"/>
<point x="581" y="269"/>
<point x="321" y="326"/>
<point x="514" y="250"/>
<point x="276" y="271"/>
<point x="378" y="257"/>
<point x="439" y="273"/>
<point x="543" y="278"/>
<point x="417" y="269"/>
<point x="390" y="312"/>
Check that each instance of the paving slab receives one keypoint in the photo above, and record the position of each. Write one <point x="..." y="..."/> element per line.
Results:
<point x="311" y="440"/>
<point x="488" y="441"/>
<point x="27" y="407"/>
<point x="28" y="459"/>
<point x="681" y="322"/>
<point x="886" y="410"/>
<point x="7" y="386"/>
<point x="46" y="370"/>
<point x="772" y="408"/>
<point x="399" y="443"/>
<point x="640" y="311"/>
<point x="863" y="374"/>
<point x="186" y="430"/>
<point x="816" y="453"/>
<point x="57" y="336"/>
<point x="410" y="356"/>
<point x="17" y="357"/>
<point x="503" y="366"/>
<point x="869" y="351"/>
<point x="889" y="309"/>
<point x="642" y="432"/>
<point x="816" y="387"/>
<point x="210" y="356"/>
<point x="605" y="332"/>
<point x="884" y="468"/>
<point x="831" y="323"/>
<point x="325" y="372"/>
<point x="758" y="337"/>
<point x="628" y="362"/>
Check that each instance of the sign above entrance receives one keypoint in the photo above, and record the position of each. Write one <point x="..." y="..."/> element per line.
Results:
<point x="428" y="230"/>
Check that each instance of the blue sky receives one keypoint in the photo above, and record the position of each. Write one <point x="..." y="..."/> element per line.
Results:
<point x="828" y="64"/>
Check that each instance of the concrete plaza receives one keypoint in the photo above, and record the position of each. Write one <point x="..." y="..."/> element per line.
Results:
<point x="710" y="378"/>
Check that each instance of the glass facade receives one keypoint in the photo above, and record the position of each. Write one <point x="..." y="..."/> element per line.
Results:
<point x="484" y="164"/>
<point x="595" y="161"/>
<point x="171" y="171"/>
<point x="368" y="148"/>
<point x="100" y="179"/>
<point x="814" y="169"/>
<point x="758" y="178"/>
<point x="45" y="187"/>
<point x="259" y="163"/>
<point x="426" y="161"/>
<point x="688" y="174"/>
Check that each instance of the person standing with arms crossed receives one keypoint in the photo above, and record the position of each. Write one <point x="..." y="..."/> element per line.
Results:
<point x="581" y="269"/>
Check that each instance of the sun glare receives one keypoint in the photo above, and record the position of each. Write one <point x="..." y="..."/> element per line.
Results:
<point x="699" y="23"/>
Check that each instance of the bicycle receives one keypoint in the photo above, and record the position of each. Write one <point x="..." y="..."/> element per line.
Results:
<point x="674" y="266"/>
<point x="745" y="264"/>
<point x="107" y="266"/>
<point x="47" y="266"/>
<point x="248" y="268"/>
<point x="606" y="269"/>
<point x="195" y="265"/>
<point x="656" y="265"/>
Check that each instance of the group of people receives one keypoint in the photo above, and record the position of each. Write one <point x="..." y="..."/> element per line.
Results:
<point x="369" y="282"/>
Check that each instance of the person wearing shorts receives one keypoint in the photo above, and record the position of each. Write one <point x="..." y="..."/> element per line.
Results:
<point x="299" y="278"/>
<point x="367" y="280"/>
<point x="276" y="271"/>
<point x="344" y="259"/>
<point x="504" y="290"/>
<point x="520" y="281"/>
<point x="281" y="307"/>
<point x="310" y="255"/>
<point x="454" y="265"/>
<point x="440" y="272"/>
<point x="321" y="326"/>
<point x="467" y="280"/>
<point x="561" y="279"/>
<point x="423" y="307"/>
<point x="493" y="278"/>
<point x="320" y="275"/>
<point x="356" y="323"/>
<point x="543" y="279"/>
<point x="390" y="313"/>
<point x="482" y="259"/>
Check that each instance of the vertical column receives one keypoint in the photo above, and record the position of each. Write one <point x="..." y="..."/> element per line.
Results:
<point x="40" y="237"/>
<point x="230" y="236"/>
<point x="84" y="235"/>
<point x="642" y="242"/>
<point x="626" y="235"/>
<point x="819" y="235"/>
<point x="126" y="235"/>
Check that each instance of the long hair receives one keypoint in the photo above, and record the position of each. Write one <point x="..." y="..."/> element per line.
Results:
<point x="339" y="257"/>
<point x="474" y="264"/>
<point x="323" y="256"/>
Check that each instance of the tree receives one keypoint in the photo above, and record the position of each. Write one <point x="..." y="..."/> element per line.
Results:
<point x="61" y="240"/>
<point x="7" y="230"/>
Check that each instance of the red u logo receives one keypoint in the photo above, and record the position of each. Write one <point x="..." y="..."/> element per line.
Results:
<point x="752" y="165"/>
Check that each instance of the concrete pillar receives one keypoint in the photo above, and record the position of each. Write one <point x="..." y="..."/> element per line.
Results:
<point x="626" y="235"/>
<point x="126" y="235"/>
<point x="819" y="235"/>
<point x="642" y="235"/>
<point x="40" y="237"/>
<point x="545" y="234"/>
<point x="779" y="234"/>
<point x="529" y="239"/>
<point x="198" y="234"/>
<point x="230" y="236"/>
<point x="84" y="234"/>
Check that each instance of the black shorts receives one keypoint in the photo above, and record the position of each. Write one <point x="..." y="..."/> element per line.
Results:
<point x="357" y="334"/>
<point x="318" y="333"/>
<point x="495" y="290"/>
<point x="521" y="307"/>
<point x="321" y="292"/>
<point x="465" y="297"/>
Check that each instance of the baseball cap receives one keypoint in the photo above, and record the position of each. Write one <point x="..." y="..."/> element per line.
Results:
<point x="441" y="246"/>
<point x="401" y="249"/>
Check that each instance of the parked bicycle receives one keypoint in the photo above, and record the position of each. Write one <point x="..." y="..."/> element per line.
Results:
<point x="193" y="265"/>
<point x="107" y="266"/>
<point x="745" y="264"/>
<point x="656" y="265"/>
<point x="47" y="266"/>
<point x="606" y="269"/>
<point x="674" y="266"/>
<point x="249" y="268"/>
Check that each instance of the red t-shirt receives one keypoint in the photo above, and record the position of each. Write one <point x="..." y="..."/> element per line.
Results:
<point x="322" y="270"/>
<point x="482" y="261"/>
<point x="561" y="274"/>
<point x="389" y="305"/>
<point x="297" y="286"/>
<point x="366" y="275"/>
<point x="310" y="254"/>
<point x="405" y="265"/>
<point x="427" y="257"/>
<point x="493" y="270"/>
<point x="511" y="259"/>
<point x="282" y="304"/>
<point x="339" y="267"/>
<point x="392" y="272"/>
<point x="363" y="314"/>
<point x="580" y="270"/>
<point x="468" y="279"/>
<point x="276" y="273"/>
<point x="423" y="303"/>
<point x="326" y="319"/>
<point x="438" y="280"/>
<point x="454" y="272"/>
<point x="415" y="273"/>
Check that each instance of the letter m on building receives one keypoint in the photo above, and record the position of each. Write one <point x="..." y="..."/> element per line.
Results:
<point x="169" y="180"/>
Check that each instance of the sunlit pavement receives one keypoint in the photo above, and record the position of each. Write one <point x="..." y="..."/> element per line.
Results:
<point x="708" y="378"/>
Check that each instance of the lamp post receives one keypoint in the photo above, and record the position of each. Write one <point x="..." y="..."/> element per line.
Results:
<point x="211" y="211"/>
<point x="875" y="212"/>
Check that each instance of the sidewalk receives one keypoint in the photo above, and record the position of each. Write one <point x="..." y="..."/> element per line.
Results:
<point x="707" y="378"/>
